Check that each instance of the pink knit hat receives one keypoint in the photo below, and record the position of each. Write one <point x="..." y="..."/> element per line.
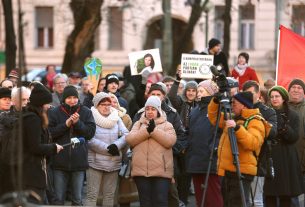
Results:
<point x="210" y="86"/>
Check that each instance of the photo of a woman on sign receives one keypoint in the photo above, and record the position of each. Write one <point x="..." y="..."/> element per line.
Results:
<point x="146" y="64"/>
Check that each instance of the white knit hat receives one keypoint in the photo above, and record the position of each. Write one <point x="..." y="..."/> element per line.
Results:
<point x="100" y="96"/>
<point x="155" y="102"/>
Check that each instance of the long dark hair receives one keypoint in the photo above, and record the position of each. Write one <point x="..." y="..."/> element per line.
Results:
<point x="152" y="64"/>
<point x="41" y="113"/>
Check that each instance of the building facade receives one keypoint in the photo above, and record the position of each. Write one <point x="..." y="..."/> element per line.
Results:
<point x="133" y="25"/>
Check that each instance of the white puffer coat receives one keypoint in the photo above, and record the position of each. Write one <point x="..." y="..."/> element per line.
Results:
<point x="109" y="130"/>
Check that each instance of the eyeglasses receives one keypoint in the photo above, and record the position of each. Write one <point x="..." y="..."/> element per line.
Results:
<point x="61" y="83"/>
<point x="106" y="105"/>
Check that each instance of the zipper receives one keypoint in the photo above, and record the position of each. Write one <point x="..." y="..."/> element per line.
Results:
<point x="164" y="162"/>
<point x="147" y="158"/>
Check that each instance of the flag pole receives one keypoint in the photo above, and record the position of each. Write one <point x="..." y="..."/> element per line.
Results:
<point x="277" y="54"/>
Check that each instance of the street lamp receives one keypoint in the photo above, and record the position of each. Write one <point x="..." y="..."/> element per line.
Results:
<point x="206" y="10"/>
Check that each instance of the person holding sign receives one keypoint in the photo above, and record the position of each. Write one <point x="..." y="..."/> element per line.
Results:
<point x="220" y="58"/>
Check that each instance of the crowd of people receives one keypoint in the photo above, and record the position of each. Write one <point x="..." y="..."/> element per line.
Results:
<point x="179" y="132"/>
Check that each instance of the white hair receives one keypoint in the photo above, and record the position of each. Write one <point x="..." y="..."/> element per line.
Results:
<point x="16" y="91"/>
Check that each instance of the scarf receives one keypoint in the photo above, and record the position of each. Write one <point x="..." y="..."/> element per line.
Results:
<point x="121" y="112"/>
<point x="105" y="122"/>
<point x="241" y="69"/>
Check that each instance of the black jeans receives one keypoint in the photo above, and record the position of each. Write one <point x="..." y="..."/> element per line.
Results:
<point x="153" y="191"/>
<point x="231" y="189"/>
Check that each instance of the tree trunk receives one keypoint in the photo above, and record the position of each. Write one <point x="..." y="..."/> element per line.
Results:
<point x="80" y="43"/>
<point x="187" y="36"/>
<point x="10" y="36"/>
<point x="227" y="24"/>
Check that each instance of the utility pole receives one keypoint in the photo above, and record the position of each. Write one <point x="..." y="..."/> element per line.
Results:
<point x="278" y="10"/>
<point x="167" y="43"/>
<point x="21" y="52"/>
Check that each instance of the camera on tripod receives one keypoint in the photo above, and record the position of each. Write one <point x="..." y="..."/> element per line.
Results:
<point x="224" y="84"/>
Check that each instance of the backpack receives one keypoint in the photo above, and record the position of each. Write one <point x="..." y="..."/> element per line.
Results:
<point x="264" y="159"/>
<point x="9" y="132"/>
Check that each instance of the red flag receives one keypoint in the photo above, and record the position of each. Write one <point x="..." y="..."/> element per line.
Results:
<point x="291" y="57"/>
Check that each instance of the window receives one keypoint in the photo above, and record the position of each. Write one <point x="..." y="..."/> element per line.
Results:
<point x="298" y="19"/>
<point x="44" y="27"/>
<point x="247" y="26"/>
<point x="115" y="23"/>
<point x="219" y="23"/>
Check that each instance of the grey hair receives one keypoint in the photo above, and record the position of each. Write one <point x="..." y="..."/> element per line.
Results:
<point x="60" y="75"/>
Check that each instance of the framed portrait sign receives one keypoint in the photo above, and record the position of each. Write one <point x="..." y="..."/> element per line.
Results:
<point x="196" y="66"/>
<point x="145" y="62"/>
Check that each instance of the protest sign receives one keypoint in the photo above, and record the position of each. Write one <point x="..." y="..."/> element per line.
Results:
<point x="145" y="62"/>
<point x="196" y="66"/>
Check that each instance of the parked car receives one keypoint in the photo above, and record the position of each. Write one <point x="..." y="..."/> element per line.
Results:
<point x="37" y="74"/>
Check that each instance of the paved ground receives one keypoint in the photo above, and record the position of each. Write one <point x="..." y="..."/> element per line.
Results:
<point x="192" y="202"/>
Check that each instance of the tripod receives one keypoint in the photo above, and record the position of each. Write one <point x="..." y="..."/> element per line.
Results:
<point x="225" y="106"/>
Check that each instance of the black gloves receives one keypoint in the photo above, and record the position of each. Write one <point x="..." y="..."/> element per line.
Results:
<point x="178" y="77"/>
<point x="217" y="97"/>
<point x="113" y="150"/>
<point x="151" y="126"/>
<point x="282" y="123"/>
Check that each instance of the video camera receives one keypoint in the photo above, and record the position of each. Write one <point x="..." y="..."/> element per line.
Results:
<point x="224" y="83"/>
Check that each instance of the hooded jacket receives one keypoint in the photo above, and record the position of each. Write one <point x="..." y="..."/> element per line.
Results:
<point x="249" y="141"/>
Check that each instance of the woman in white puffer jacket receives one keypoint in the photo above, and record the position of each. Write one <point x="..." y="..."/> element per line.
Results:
<point x="104" y="154"/>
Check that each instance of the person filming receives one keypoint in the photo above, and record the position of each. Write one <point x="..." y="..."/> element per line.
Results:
<point x="249" y="141"/>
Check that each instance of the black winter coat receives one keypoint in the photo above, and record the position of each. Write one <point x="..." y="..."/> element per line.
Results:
<point x="181" y="105"/>
<point x="269" y="115"/>
<point x="71" y="159"/>
<point x="288" y="177"/>
<point x="201" y="133"/>
<point x="36" y="148"/>
<point x="220" y="59"/>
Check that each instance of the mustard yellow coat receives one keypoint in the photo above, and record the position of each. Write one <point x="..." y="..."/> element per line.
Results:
<point x="249" y="141"/>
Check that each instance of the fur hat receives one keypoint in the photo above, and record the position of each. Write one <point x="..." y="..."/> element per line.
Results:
<point x="99" y="97"/>
<point x="213" y="42"/>
<point x="110" y="78"/>
<point x="5" y="93"/>
<point x="191" y="84"/>
<point x="13" y="74"/>
<point x="297" y="81"/>
<point x="245" y="55"/>
<point x="40" y="95"/>
<point x="281" y="90"/>
<point x="245" y="98"/>
<point x="210" y="86"/>
<point x="69" y="91"/>
<point x="155" y="102"/>
<point x="158" y="86"/>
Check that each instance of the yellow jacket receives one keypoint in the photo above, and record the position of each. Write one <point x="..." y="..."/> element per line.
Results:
<point x="249" y="141"/>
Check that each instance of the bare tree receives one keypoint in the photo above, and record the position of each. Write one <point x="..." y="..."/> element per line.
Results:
<point x="227" y="24"/>
<point x="10" y="36"/>
<point x="197" y="9"/>
<point x="80" y="43"/>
